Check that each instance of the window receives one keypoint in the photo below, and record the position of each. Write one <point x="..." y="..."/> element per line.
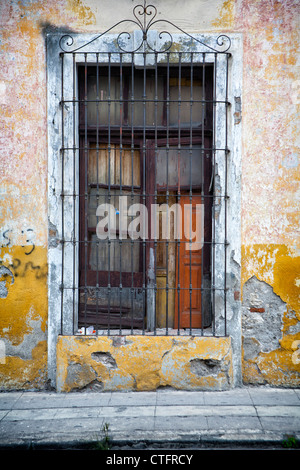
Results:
<point x="145" y="139"/>
<point x="135" y="125"/>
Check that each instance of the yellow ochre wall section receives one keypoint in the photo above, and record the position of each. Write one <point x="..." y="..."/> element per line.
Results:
<point x="270" y="177"/>
<point x="143" y="363"/>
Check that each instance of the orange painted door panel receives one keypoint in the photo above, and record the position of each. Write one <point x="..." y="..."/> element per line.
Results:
<point x="189" y="268"/>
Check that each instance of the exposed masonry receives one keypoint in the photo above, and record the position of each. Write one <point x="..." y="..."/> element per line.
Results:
<point x="53" y="239"/>
<point x="78" y="371"/>
<point x="105" y="358"/>
<point x="237" y="110"/>
<point x="6" y="278"/>
<point x="203" y="367"/>
<point x="94" y="386"/>
<point x="262" y="314"/>
<point x="295" y="328"/>
<point x="34" y="335"/>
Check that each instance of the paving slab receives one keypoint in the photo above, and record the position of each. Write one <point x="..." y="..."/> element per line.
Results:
<point x="136" y="423"/>
<point x="268" y="396"/>
<point x="8" y="400"/>
<point x="228" y="397"/>
<point x="283" y="411"/>
<point x="229" y="422"/>
<point x="248" y="415"/>
<point x="84" y="400"/>
<point x="183" y="423"/>
<point x="128" y="411"/>
<point x="132" y="398"/>
<point x="30" y="414"/>
<point x="180" y="398"/>
<point x="77" y="413"/>
<point x="32" y="400"/>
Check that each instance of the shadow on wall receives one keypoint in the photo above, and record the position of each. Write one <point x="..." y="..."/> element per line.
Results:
<point x="47" y="27"/>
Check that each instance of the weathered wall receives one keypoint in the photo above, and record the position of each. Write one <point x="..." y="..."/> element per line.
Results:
<point x="270" y="195"/>
<point x="143" y="363"/>
<point x="270" y="174"/>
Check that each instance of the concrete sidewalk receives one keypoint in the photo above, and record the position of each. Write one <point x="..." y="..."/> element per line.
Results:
<point x="163" y="418"/>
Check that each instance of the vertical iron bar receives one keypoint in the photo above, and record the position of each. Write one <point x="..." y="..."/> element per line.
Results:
<point x="85" y="189"/>
<point x="167" y="185"/>
<point x="178" y="199"/>
<point x="191" y="188"/>
<point x="155" y="191"/>
<point x="214" y="197"/>
<point x="226" y="197"/>
<point x="74" y="185"/>
<point x="97" y="197"/>
<point x="132" y="179"/>
<point x="167" y="166"/>
<point x="167" y="194"/>
<point x="109" y="189"/>
<point x="204" y="196"/>
<point x="121" y="149"/>
<point x="179" y="149"/>
<point x="144" y="189"/>
<point x="62" y="191"/>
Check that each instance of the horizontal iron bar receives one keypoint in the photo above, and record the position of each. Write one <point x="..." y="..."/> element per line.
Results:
<point x="121" y="241"/>
<point x="153" y="53"/>
<point x="160" y="192"/>
<point x="143" y="100"/>
<point x="148" y="288"/>
<point x="126" y="146"/>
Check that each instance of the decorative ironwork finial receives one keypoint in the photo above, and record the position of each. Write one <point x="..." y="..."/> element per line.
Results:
<point x="145" y="18"/>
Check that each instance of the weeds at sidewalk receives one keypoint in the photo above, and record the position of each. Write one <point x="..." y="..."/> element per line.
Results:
<point x="104" y="443"/>
<point x="291" y="442"/>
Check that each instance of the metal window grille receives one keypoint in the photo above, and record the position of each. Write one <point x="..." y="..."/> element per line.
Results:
<point x="145" y="126"/>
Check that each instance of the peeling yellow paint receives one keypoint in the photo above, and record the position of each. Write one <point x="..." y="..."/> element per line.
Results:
<point x="84" y="13"/>
<point x="25" y="305"/>
<point x="226" y="15"/>
<point x="18" y="373"/>
<point x="276" y="368"/>
<point x="259" y="259"/>
<point x="143" y="362"/>
<point x="286" y="272"/>
<point x="26" y="291"/>
<point x="275" y="265"/>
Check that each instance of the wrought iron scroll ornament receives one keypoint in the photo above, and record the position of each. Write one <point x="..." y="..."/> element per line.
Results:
<point x="145" y="19"/>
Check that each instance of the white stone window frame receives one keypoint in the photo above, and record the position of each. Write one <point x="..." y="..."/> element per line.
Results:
<point x="64" y="324"/>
